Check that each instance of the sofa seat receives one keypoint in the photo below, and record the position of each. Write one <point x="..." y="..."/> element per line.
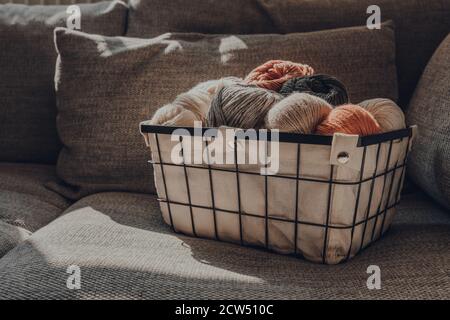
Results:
<point x="25" y="203"/>
<point x="10" y="236"/>
<point x="125" y="251"/>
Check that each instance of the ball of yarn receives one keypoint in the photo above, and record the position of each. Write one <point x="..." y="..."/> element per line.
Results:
<point x="324" y="86"/>
<point x="176" y="116"/>
<point x="350" y="119"/>
<point x="241" y="106"/>
<point x="299" y="113"/>
<point x="192" y="105"/>
<point x="272" y="74"/>
<point x="387" y="113"/>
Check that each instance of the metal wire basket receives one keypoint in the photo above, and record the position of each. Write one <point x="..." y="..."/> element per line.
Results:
<point x="331" y="196"/>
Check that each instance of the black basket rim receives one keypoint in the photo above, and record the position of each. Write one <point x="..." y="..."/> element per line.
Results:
<point x="287" y="136"/>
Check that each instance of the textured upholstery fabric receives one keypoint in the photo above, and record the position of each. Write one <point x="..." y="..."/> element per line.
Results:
<point x="430" y="110"/>
<point x="420" y="24"/>
<point x="27" y="67"/>
<point x="11" y="236"/>
<point x="107" y="153"/>
<point x="124" y="250"/>
<point x="24" y="200"/>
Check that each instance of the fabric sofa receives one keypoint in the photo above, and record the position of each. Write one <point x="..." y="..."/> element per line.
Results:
<point x="117" y="237"/>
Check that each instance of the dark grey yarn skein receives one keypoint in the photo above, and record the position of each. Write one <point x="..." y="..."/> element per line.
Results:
<point x="241" y="106"/>
<point x="323" y="86"/>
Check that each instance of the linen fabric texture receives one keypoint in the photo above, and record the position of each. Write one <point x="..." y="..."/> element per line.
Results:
<point x="213" y="206"/>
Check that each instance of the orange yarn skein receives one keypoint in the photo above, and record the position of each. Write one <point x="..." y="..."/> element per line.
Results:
<point x="350" y="119"/>
<point x="274" y="73"/>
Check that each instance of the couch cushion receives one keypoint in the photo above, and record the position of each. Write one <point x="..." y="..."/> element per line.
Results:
<point x="420" y="24"/>
<point x="27" y="68"/>
<point x="24" y="200"/>
<point x="124" y="250"/>
<point x="107" y="153"/>
<point x="11" y="236"/>
<point x="430" y="110"/>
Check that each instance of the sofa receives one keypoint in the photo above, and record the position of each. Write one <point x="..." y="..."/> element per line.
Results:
<point x="57" y="211"/>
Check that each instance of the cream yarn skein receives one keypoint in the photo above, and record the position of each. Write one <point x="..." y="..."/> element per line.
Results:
<point x="192" y="105"/>
<point x="387" y="113"/>
<point x="298" y="113"/>
<point x="175" y="116"/>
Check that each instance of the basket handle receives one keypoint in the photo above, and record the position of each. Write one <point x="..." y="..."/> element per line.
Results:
<point x="345" y="151"/>
<point x="144" y="134"/>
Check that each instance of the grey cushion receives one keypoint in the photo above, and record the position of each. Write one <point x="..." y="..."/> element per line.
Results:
<point x="125" y="251"/>
<point x="24" y="200"/>
<point x="429" y="163"/>
<point x="11" y="236"/>
<point x="420" y="24"/>
<point x="27" y="67"/>
<point x="122" y="81"/>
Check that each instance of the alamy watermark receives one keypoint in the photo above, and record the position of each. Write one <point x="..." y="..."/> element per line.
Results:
<point x="374" y="280"/>
<point x="73" y="281"/>
<point x="73" y="20"/>
<point x="227" y="146"/>
<point x="374" y="20"/>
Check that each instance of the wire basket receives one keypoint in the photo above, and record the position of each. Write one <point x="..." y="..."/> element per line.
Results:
<point x="331" y="197"/>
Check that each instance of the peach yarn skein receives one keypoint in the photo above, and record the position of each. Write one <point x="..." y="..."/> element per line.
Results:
<point x="299" y="113"/>
<point x="274" y="73"/>
<point x="350" y="119"/>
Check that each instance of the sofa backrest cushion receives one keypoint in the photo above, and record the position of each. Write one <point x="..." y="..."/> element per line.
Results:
<point x="420" y="24"/>
<point x="27" y="67"/>
<point x="429" y="162"/>
<point x="122" y="81"/>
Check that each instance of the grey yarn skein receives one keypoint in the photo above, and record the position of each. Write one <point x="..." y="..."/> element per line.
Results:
<point x="321" y="85"/>
<point x="241" y="106"/>
<point x="198" y="99"/>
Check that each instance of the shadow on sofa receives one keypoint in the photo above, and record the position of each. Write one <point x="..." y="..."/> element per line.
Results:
<point x="133" y="254"/>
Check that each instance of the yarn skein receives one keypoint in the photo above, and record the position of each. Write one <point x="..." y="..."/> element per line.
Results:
<point x="324" y="86"/>
<point x="272" y="74"/>
<point x="387" y="113"/>
<point x="350" y="119"/>
<point x="190" y="106"/>
<point x="299" y="113"/>
<point x="175" y="116"/>
<point x="241" y="106"/>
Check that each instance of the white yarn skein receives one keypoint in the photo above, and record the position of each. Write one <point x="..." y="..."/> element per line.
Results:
<point x="190" y="106"/>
